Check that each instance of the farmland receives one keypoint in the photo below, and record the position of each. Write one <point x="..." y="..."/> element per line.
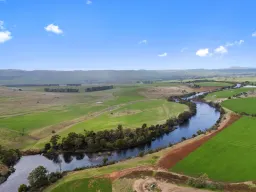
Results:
<point x="229" y="156"/>
<point x="87" y="184"/>
<point x="39" y="114"/>
<point x="226" y="93"/>
<point x="242" y="105"/>
<point x="213" y="84"/>
<point x="133" y="115"/>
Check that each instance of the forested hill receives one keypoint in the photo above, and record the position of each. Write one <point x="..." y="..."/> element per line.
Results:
<point x="110" y="76"/>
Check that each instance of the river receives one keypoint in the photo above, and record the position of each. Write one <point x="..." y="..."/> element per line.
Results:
<point x="205" y="118"/>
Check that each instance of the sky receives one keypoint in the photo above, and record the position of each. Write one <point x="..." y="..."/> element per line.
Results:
<point x="134" y="34"/>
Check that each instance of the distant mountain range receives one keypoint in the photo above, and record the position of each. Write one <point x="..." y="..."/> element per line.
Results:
<point x="13" y="76"/>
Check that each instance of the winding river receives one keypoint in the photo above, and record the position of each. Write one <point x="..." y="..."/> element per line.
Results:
<point x="205" y="118"/>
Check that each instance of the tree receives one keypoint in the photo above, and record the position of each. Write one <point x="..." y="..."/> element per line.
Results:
<point x="38" y="177"/>
<point x="47" y="146"/>
<point x="104" y="160"/>
<point x="54" y="140"/>
<point x="23" y="188"/>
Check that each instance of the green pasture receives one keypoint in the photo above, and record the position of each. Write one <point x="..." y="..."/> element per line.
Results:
<point x="247" y="105"/>
<point x="213" y="84"/>
<point x="229" y="156"/>
<point x="227" y="93"/>
<point x="134" y="115"/>
<point x="87" y="184"/>
<point x="35" y="120"/>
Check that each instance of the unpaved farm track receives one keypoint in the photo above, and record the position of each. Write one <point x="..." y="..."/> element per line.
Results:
<point x="180" y="151"/>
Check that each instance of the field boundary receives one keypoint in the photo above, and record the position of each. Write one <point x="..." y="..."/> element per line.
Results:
<point x="180" y="151"/>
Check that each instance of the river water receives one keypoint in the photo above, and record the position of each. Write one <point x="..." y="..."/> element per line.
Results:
<point x="205" y="118"/>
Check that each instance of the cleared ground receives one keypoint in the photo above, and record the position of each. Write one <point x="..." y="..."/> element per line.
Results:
<point x="229" y="156"/>
<point x="226" y="93"/>
<point x="246" y="105"/>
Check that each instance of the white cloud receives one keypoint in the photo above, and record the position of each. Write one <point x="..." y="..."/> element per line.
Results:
<point x="1" y="25"/>
<point x="220" y="50"/>
<point x="202" y="52"/>
<point x="88" y="2"/>
<point x="234" y="43"/>
<point x="5" y="36"/>
<point x="143" y="42"/>
<point x="53" y="28"/>
<point x="162" y="55"/>
<point x="254" y="34"/>
<point x="183" y="49"/>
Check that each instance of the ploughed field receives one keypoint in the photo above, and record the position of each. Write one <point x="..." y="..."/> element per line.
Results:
<point x="242" y="105"/>
<point x="229" y="156"/>
<point x="227" y="93"/>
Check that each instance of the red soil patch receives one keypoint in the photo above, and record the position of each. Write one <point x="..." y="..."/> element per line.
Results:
<point x="184" y="149"/>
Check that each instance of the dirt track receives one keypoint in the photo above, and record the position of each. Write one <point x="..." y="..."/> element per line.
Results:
<point x="180" y="151"/>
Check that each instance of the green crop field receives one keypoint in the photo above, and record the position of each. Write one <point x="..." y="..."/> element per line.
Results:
<point x="133" y="115"/>
<point x="213" y="84"/>
<point x="151" y="112"/>
<point x="246" y="105"/>
<point x="88" y="185"/>
<point x="229" y="156"/>
<point x="227" y="93"/>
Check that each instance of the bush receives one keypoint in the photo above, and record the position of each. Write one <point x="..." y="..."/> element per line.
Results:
<point x="141" y="154"/>
<point x="53" y="177"/>
<point x="23" y="188"/>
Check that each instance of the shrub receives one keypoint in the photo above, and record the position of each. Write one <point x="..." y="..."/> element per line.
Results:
<point x="141" y="154"/>
<point x="23" y="188"/>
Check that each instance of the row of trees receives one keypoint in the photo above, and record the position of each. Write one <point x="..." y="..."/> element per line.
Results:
<point x="38" y="179"/>
<point x="65" y="90"/>
<point x="118" y="138"/>
<point x="99" y="88"/>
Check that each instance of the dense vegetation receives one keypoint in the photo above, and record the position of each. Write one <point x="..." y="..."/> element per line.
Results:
<point x="38" y="179"/>
<point x="119" y="138"/>
<point x="99" y="88"/>
<point x="244" y="106"/>
<point x="8" y="158"/>
<point x="63" y="90"/>
<point x="229" y="156"/>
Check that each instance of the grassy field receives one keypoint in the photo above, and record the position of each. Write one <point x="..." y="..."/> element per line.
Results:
<point x="229" y="156"/>
<point x="226" y="93"/>
<point x="246" y="105"/>
<point x="86" y="184"/>
<point x="213" y="84"/>
<point x="133" y="115"/>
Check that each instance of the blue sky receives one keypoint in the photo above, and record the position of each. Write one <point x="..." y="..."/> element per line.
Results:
<point x="134" y="34"/>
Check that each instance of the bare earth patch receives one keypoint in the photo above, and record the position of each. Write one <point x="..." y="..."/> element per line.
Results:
<point x="151" y="184"/>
